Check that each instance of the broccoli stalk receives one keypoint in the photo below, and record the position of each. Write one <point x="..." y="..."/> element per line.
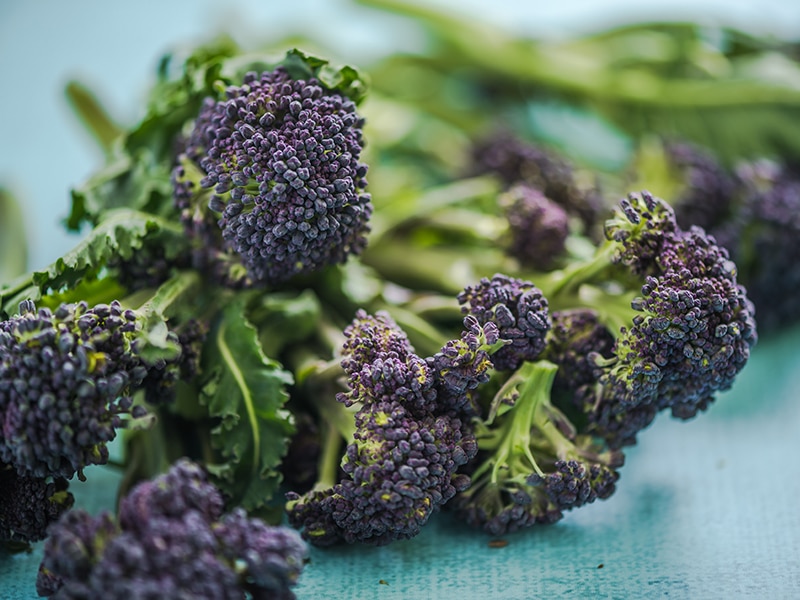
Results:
<point x="531" y="464"/>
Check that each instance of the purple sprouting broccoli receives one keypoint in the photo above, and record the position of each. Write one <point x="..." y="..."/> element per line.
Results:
<point x="519" y="311"/>
<point x="171" y="540"/>
<point x="532" y="465"/>
<point x="407" y="438"/>
<point x="516" y="161"/>
<point x="707" y="190"/>
<point x="271" y="184"/>
<point x="683" y="325"/>
<point x="28" y="505"/>
<point x="537" y="227"/>
<point x="68" y="376"/>
<point x="763" y="238"/>
<point x="65" y="381"/>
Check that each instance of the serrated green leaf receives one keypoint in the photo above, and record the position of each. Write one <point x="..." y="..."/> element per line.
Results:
<point x="246" y="390"/>
<point x="119" y="234"/>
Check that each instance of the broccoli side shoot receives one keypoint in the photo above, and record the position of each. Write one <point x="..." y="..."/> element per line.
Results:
<point x="270" y="183"/>
<point x="685" y="334"/>
<point x="400" y="463"/>
<point x="171" y="540"/>
<point x="531" y="465"/>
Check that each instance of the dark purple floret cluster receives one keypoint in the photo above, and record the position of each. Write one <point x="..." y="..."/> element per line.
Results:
<point x="65" y="382"/>
<point x="572" y="483"/>
<point x="538" y="227"/>
<point x="708" y="189"/>
<point x="171" y="541"/>
<point x="279" y="177"/>
<point x="764" y="241"/>
<point x="28" y="505"/>
<point x="400" y="467"/>
<point x="516" y="160"/>
<point x="518" y="309"/>
<point x="688" y="337"/>
<point x="639" y="227"/>
<point x="462" y="365"/>
<point x="693" y="334"/>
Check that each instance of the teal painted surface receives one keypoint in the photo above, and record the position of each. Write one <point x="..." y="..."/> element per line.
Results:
<point x="704" y="509"/>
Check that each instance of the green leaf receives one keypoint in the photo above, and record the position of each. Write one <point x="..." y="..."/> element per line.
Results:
<point x="13" y="245"/>
<point x="246" y="391"/>
<point x="119" y="234"/>
<point x="283" y="318"/>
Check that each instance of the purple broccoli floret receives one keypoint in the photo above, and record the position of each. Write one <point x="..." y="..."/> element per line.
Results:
<point x="518" y="309"/>
<point x="171" y="541"/>
<point x="538" y="227"/>
<point x="65" y="383"/>
<point x="271" y="182"/>
<point x="400" y="465"/>
<point x="515" y="161"/>
<point x="764" y="240"/>
<point x="708" y="191"/>
<point x="28" y="505"/>
<point x="684" y="336"/>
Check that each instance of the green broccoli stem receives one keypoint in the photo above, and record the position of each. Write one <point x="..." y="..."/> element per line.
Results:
<point x="566" y="282"/>
<point x="510" y="442"/>
<point x="93" y="116"/>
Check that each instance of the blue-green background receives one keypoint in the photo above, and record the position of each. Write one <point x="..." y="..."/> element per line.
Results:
<point x="704" y="509"/>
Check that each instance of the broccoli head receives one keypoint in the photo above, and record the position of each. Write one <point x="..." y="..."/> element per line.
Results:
<point x="171" y="540"/>
<point x="65" y="381"/>
<point x="519" y="311"/>
<point x="685" y="334"/>
<point x="271" y="183"/>
<point x="515" y="160"/>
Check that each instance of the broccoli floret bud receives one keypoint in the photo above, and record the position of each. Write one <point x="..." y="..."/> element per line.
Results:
<point x="518" y="309"/>
<point x="28" y="505"/>
<point x="65" y="379"/>
<point x="381" y="365"/>
<point x="171" y="541"/>
<point x="640" y="225"/>
<point x="462" y="365"/>
<point x="573" y="484"/>
<point x="401" y="469"/>
<point x="531" y="464"/>
<point x="279" y="160"/>
<point x="538" y="227"/>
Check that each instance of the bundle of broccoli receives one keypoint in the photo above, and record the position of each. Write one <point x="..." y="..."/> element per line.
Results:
<point x="287" y="349"/>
